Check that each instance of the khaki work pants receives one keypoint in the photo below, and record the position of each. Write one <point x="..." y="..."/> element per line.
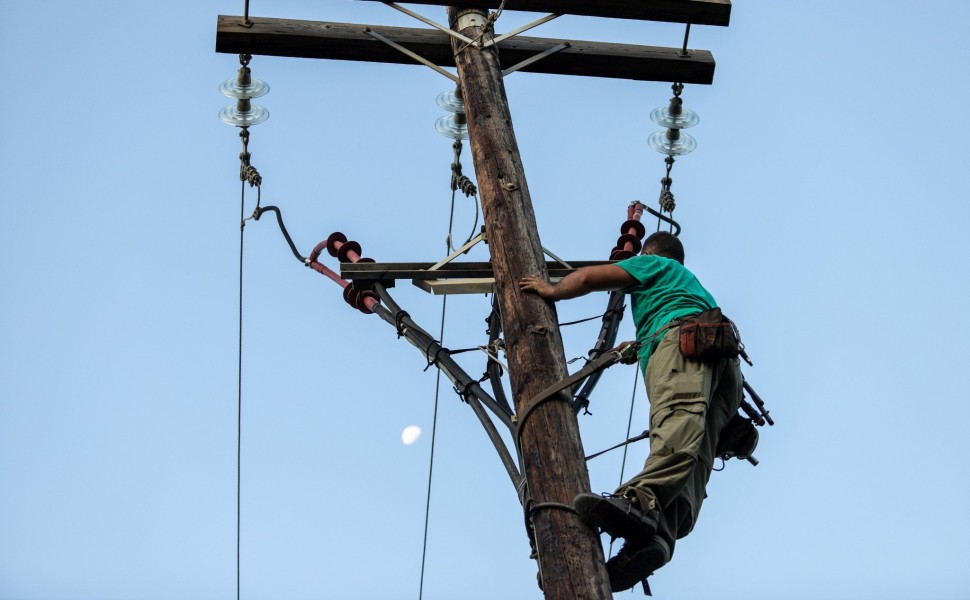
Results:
<point x="690" y="403"/>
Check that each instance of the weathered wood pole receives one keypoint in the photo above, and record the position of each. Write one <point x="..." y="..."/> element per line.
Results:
<point x="570" y="554"/>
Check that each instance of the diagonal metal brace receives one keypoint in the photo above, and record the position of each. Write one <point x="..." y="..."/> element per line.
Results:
<point x="468" y="246"/>
<point x="407" y="52"/>
<point x="549" y="253"/>
<point x="536" y="58"/>
<point x="428" y="21"/>
<point x="519" y="30"/>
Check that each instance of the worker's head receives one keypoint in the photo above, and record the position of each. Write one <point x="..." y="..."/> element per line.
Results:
<point x="664" y="243"/>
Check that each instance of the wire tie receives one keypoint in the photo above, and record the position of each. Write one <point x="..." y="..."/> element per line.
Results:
<point x="463" y="391"/>
<point x="441" y="349"/>
<point x="399" y="325"/>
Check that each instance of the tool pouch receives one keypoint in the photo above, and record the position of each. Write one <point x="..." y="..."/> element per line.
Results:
<point x="709" y="336"/>
<point x="738" y="439"/>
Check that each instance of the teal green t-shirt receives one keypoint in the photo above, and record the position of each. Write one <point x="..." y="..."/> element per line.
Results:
<point x="666" y="291"/>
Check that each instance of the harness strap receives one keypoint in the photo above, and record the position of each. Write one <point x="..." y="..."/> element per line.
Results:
<point x="606" y="360"/>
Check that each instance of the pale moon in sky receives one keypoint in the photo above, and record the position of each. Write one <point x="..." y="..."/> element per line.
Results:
<point x="410" y="434"/>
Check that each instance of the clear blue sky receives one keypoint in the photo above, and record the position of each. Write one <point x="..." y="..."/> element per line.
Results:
<point x="825" y="208"/>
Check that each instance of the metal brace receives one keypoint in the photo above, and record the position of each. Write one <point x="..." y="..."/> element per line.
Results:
<point x="428" y="21"/>
<point x="468" y="246"/>
<point x="556" y="258"/>
<point x="470" y="19"/>
<point x="424" y="61"/>
<point x="536" y="58"/>
<point x="516" y="32"/>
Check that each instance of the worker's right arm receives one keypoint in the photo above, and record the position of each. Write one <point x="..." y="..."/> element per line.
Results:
<point x="580" y="282"/>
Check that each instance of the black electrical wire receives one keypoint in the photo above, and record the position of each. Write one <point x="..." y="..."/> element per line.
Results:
<point x="629" y="425"/>
<point x="279" y="219"/>
<point x="674" y="224"/>
<point x="434" y="431"/>
<point x="604" y="341"/>
<point x="242" y="228"/>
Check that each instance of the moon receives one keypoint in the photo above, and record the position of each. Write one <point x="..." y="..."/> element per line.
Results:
<point x="410" y="434"/>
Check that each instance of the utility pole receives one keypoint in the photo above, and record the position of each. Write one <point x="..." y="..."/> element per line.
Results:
<point x="569" y="553"/>
<point x="550" y="450"/>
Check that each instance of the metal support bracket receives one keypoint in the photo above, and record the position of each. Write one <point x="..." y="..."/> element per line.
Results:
<point x="556" y="258"/>
<point x="519" y="30"/>
<point x="536" y="58"/>
<point x="413" y="55"/>
<point x="468" y="246"/>
<point x="428" y="21"/>
<point x="468" y="19"/>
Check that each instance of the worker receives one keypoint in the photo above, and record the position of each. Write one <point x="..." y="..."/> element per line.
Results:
<point x="691" y="401"/>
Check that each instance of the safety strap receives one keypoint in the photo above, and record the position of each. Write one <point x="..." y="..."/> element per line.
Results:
<point x="606" y="360"/>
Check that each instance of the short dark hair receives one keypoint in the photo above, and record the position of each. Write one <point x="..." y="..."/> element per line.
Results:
<point x="664" y="243"/>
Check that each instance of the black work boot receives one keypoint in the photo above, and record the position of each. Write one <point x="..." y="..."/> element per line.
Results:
<point x="617" y="516"/>
<point x="634" y="564"/>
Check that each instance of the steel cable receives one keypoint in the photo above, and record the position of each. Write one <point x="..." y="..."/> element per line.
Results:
<point x="242" y="229"/>
<point x="434" y="430"/>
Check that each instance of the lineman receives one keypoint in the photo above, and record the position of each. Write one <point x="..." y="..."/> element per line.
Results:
<point x="690" y="403"/>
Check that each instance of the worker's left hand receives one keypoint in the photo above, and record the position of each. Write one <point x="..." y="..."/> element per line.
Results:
<point x="630" y="357"/>
<point x="537" y="285"/>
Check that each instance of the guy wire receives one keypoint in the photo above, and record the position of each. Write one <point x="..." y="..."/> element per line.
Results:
<point x="629" y="424"/>
<point x="242" y="228"/>
<point x="437" y="389"/>
<point x="434" y="430"/>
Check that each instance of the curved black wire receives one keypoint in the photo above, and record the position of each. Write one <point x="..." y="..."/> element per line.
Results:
<point x="279" y="219"/>
<point x="422" y="340"/>
<point x="494" y="370"/>
<point x="472" y="392"/>
<point x="605" y="341"/>
<point x="665" y="218"/>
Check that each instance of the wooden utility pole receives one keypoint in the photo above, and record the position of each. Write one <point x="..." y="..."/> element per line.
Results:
<point x="570" y="555"/>
<point x="551" y="453"/>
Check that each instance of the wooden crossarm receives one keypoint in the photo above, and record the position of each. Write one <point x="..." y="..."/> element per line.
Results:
<point x="343" y="41"/>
